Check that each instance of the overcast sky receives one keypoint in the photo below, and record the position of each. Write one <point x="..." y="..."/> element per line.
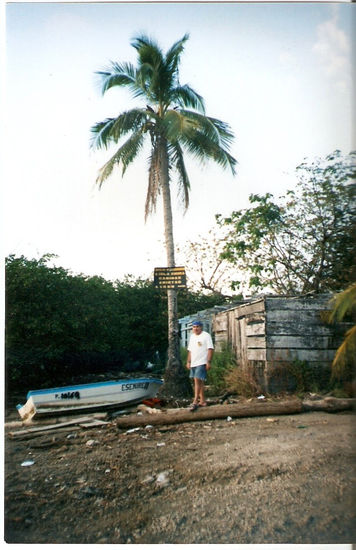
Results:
<point x="280" y="74"/>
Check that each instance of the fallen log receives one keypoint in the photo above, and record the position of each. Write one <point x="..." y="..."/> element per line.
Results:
<point x="329" y="404"/>
<point x="236" y="410"/>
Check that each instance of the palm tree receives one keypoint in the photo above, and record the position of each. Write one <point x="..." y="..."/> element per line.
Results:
<point x="173" y="118"/>
<point x="343" y="305"/>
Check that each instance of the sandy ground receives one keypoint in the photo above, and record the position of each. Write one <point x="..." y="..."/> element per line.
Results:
<point x="285" y="479"/>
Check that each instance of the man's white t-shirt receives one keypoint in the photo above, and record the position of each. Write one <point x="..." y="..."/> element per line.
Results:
<point x="198" y="347"/>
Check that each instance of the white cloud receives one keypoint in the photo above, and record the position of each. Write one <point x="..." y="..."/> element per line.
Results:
<point x="333" y="50"/>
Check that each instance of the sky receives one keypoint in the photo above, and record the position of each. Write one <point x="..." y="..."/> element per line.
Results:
<point x="278" y="73"/>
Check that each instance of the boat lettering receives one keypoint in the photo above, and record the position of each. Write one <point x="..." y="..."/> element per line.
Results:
<point x="68" y="395"/>
<point x="134" y="386"/>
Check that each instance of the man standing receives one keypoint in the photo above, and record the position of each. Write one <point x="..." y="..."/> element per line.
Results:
<point x="200" y="353"/>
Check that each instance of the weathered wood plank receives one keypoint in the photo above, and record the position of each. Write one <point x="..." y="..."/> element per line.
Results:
<point x="51" y="427"/>
<point x="297" y="327"/>
<point x="256" y="342"/>
<point x="255" y="329"/>
<point x="220" y="323"/>
<point x="256" y="354"/>
<point x="306" y="342"/>
<point x="255" y="318"/>
<point x="301" y="315"/>
<point x="313" y="303"/>
<point x="248" y="309"/>
<point x="319" y="364"/>
<point x="94" y="424"/>
<point x="301" y="354"/>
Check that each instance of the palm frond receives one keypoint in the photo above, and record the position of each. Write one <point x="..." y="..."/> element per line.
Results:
<point x="152" y="74"/>
<point x="102" y="133"/>
<point x="177" y="159"/>
<point x="148" y="51"/>
<point x="206" y="140"/>
<point x="157" y="73"/>
<point x="111" y="130"/>
<point x="345" y="355"/>
<point x="226" y="135"/>
<point x="343" y="303"/>
<point x="144" y="81"/>
<point x="174" y="53"/>
<point x="118" y="74"/>
<point x="124" y="156"/>
<point x="153" y="189"/>
<point x="186" y="97"/>
<point x="203" y="148"/>
<point x="200" y="125"/>
<point x="215" y="129"/>
<point x="172" y="125"/>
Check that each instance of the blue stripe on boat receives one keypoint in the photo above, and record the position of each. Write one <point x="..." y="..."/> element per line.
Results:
<point x="93" y="385"/>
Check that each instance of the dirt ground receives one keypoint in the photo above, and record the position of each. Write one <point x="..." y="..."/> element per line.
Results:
<point x="281" y="479"/>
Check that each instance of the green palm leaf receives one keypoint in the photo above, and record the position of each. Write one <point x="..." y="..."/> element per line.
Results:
<point x="174" y="53"/>
<point x="118" y="74"/>
<point x="124" y="156"/>
<point x="186" y="97"/>
<point x="102" y="133"/>
<point x="174" y="111"/>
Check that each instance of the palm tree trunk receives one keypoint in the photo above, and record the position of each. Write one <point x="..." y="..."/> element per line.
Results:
<point x="176" y="382"/>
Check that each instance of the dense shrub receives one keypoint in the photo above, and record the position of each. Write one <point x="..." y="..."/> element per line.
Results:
<point x="59" y="325"/>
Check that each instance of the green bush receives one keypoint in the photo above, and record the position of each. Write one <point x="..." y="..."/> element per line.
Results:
<point x="224" y="361"/>
<point x="60" y="326"/>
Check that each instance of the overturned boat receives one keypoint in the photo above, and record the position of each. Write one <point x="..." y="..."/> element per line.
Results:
<point x="88" y="397"/>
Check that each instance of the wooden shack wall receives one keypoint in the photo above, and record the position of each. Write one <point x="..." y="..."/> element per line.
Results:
<point x="237" y="328"/>
<point x="271" y="333"/>
<point x="295" y="330"/>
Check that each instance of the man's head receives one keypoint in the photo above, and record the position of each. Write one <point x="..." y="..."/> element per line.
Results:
<point x="197" y="327"/>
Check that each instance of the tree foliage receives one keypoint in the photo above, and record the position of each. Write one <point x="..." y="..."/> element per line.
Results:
<point x="208" y="272"/>
<point x="59" y="325"/>
<point x="304" y="241"/>
<point x="172" y="118"/>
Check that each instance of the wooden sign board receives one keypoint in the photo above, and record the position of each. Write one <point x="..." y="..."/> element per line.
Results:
<point x="170" y="278"/>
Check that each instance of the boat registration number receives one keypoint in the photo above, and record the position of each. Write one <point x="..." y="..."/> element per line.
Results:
<point x="134" y="386"/>
<point x="68" y="395"/>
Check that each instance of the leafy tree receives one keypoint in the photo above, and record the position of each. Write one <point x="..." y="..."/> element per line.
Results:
<point x="208" y="271"/>
<point x="305" y="241"/>
<point x="58" y="324"/>
<point x="61" y="326"/>
<point x="173" y="119"/>
<point x="192" y="301"/>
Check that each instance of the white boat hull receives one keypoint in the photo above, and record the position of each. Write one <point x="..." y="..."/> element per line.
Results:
<point x="89" y="396"/>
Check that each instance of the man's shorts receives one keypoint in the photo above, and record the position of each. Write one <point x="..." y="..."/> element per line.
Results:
<point x="198" y="372"/>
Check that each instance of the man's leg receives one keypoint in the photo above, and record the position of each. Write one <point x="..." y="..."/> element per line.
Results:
<point x="196" y="390"/>
<point x="201" y="393"/>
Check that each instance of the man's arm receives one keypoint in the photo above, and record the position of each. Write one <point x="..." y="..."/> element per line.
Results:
<point x="189" y="360"/>
<point x="209" y="358"/>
